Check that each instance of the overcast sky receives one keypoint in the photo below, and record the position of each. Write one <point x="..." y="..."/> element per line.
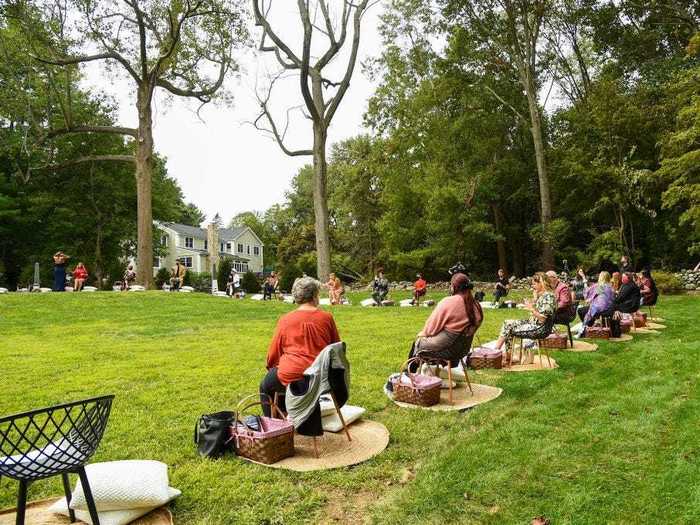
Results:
<point x="225" y="165"/>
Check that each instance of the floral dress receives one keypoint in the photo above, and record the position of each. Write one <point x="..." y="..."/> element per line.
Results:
<point x="545" y="304"/>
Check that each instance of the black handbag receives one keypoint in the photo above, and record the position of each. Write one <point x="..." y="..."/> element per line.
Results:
<point x="212" y="433"/>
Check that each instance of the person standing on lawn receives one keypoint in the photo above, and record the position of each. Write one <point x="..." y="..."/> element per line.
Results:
<point x="60" y="260"/>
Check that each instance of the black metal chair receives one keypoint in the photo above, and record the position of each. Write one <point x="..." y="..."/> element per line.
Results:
<point x="450" y="357"/>
<point x="538" y="334"/>
<point x="53" y="441"/>
<point x="564" y="317"/>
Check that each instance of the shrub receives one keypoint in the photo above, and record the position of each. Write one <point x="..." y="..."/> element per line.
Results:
<point x="201" y="282"/>
<point x="162" y="276"/>
<point x="250" y="283"/>
<point x="222" y="272"/>
<point x="666" y="282"/>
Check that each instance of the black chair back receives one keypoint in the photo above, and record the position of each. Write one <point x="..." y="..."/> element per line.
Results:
<point x="49" y="441"/>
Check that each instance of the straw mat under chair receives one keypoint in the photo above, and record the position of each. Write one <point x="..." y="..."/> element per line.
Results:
<point x="462" y="399"/>
<point x="540" y="363"/>
<point x="369" y="438"/>
<point x="38" y="514"/>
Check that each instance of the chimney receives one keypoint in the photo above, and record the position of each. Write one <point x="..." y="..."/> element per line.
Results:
<point x="213" y="245"/>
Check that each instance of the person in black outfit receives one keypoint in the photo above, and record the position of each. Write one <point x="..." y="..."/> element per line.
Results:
<point x="502" y="286"/>
<point x="627" y="299"/>
<point x="625" y="265"/>
<point x="380" y="287"/>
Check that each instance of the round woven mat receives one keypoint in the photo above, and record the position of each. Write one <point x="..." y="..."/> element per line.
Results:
<point x="462" y="399"/>
<point x="369" y="438"/>
<point x="622" y="339"/>
<point x="38" y="514"/>
<point x="655" y="326"/>
<point x="582" y="346"/>
<point x="656" y="319"/>
<point x="540" y="363"/>
<point x="645" y="330"/>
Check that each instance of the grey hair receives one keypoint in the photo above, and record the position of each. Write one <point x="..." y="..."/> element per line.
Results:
<point x="305" y="289"/>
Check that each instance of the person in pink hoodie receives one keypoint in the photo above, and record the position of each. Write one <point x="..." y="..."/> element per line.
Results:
<point x="456" y="315"/>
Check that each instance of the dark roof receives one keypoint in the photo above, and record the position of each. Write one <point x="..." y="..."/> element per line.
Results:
<point x="225" y="234"/>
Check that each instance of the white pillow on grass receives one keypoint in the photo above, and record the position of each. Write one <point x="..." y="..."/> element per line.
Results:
<point x="350" y="415"/>
<point x="129" y="484"/>
<point x="112" y="517"/>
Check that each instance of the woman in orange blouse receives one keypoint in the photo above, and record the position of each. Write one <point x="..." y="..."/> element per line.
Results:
<point x="299" y="338"/>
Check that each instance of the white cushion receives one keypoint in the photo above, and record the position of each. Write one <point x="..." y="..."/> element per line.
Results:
<point x="350" y="413"/>
<point x="186" y="289"/>
<point x="136" y="288"/>
<point x="325" y="301"/>
<point x="368" y="302"/>
<point x="89" y="289"/>
<point x="406" y="302"/>
<point x="118" y="485"/>
<point x="257" y="297"/>
<point x="288" y="299"/>
<point x="3" y="290"/>
<point x="111" y="517"/>
<point x="219" y="294"/>
<point x="44" y="290"/>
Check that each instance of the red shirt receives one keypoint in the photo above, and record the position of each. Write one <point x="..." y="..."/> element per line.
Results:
<point x="299" y="338"/>
<point x="420" y="284"/>
<point x="80" y="273"/>
<point x="563" y="295"/>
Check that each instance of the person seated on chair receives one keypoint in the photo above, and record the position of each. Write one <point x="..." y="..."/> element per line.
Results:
<point x="268" y="288"/>
<point x="628" y="297"/>
<point x="625" y="265"/>
<point x="420" y="288"/>
<point x="380" y="287"/>
<point x="453" y="316"/>
<point x="599" y="299"/>
<point x="299" y="338"/>
<point x="541" y="309"/>
<point x="335" y="289"/>
<point x="80" y="275"/>
<point x="578" y="286"/>
<point x="616" y="281"/>
<point x="565" y="310"/>
<point x="647" y="287"/>
<point x="502" y="286"/>
<point x="177" y="276"/>
<point x="129" y="275"/>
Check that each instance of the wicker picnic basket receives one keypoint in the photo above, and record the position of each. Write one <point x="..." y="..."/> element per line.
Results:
<point x="556" y="341"/>
<point x="271" y="443"/>
<point x="598" y="332"/>
<point x="416" y="389"/>
<point x="640" y="319"/>
<point x="482" y="357"/>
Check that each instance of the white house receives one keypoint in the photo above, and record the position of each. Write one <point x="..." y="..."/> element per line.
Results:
<point x="200" y="248"/>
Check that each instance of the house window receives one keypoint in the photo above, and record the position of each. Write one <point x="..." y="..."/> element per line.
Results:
<point x="256" y="250"/>
<point x="228" y="247"/>
<point x="240" y="267"/>
<point x="164" y="240"/>
<point x="206" y="244"/>
<point x="186" y="261"/>
<point x="156" y="262"/>
<point x="189" y="242"/>
<point x="240" y="248"/>
<point x="247" y="249"/>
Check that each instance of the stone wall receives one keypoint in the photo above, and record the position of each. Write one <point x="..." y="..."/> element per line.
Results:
<point x="690" y="279"/>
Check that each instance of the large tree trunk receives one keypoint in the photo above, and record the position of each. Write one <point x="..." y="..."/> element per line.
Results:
<point x="323" y="248"/>
<point x="144" y="166"/>
<point x="538" y="140"/>
<point x="500" y="243"/>
<point x="98" y="254"/>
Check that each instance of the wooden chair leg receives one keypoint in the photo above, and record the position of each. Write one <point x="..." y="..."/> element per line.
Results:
<point x="340" y="416"/>
<point x="449" y="381"/>
<point x="315" y="448"/>
<point x="571" y="337"/>
<point x="466" y="376"/>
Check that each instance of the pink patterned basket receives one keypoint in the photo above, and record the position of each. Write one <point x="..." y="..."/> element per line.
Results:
<point x="272" y="443"/>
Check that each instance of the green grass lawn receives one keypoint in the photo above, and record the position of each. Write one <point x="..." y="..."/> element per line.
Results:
<point x="609" y="437"/>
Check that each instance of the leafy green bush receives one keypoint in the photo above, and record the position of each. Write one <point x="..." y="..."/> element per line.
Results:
<point x="250" y="283"/>
<point x="222" y="272"/>
<point x="201" y="281"/>
<point x="667" y="282"/>
<point x="162" y="276"/>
